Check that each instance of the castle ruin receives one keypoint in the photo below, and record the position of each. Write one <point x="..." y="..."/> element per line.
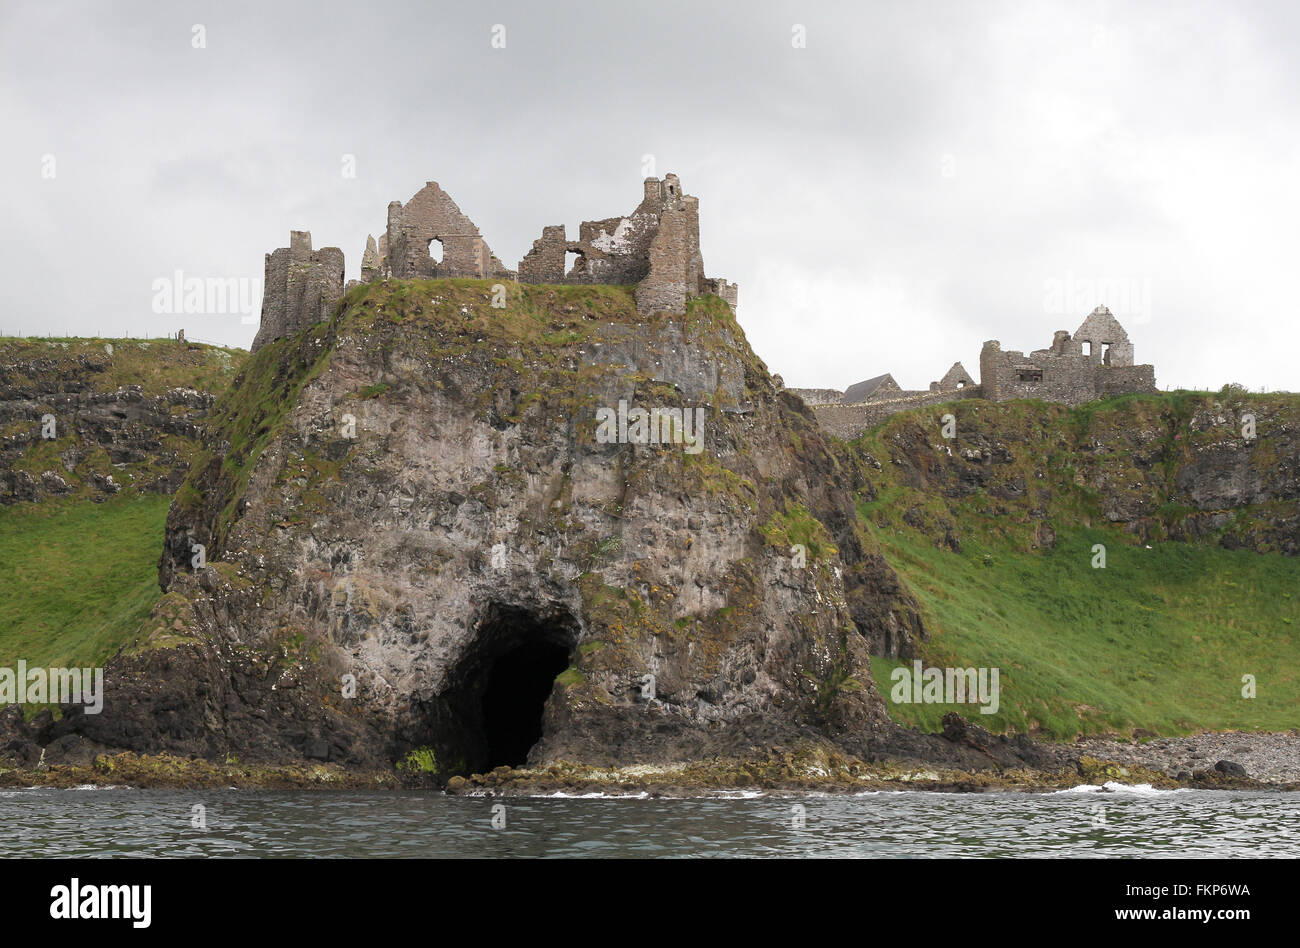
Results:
<point x="656" y="247"/>
<point x="1095" y="362"/>
<point x="301" y="288"/>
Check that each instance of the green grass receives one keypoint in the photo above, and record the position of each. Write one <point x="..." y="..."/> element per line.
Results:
<point x="796" y="526"/>
<point x="79" y="578"/>
<point x="156" y="365"/>
<point x="1159" y="639"/>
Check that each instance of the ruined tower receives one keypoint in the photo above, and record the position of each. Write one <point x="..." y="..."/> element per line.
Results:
<point x="302" y="287"/>
<point x="657" y="247"/>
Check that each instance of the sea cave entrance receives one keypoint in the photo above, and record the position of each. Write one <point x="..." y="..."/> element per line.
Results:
<point x="504" y="680"/>
<point x="518" y="684"/>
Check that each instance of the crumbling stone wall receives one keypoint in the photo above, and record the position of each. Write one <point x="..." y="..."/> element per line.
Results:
<point x="431" y="215"/>
<point x="302" y="287"/>
<point x="1064" y="372"/>
<point x="1123" y="379"/>
<point x="545" y="262"/>
<point x="1106" y="339"/>
<point x="955" y="378"/>
<point x="819" y="396"/>
<point x="657" y="247"/>
<point x="849" y="421"/>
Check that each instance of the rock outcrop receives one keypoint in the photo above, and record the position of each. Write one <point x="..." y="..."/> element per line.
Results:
<point x="1178" y="469"/>
<point x="450" y="506"/>
<point x="98" y="419"/>
<point x="430" y="528"/>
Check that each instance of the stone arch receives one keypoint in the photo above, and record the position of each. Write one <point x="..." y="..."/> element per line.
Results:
<point x="575" y="264"/>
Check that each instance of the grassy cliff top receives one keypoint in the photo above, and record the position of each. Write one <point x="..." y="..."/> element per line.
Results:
<point x="1100" y="557"/>
<point x="105" y="365"/>
<point x="539" y="316"/>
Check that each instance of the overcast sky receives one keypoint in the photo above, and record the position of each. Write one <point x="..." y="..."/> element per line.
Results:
<point x="915" y="179"/>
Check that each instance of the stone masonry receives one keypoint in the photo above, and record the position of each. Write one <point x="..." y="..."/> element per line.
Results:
<point x="406" y="250"/>
<point x="955" y="378"/>
<point x="302" y="286"/>
<point x="656" y="247"/>
<point x="1097" y="361"/>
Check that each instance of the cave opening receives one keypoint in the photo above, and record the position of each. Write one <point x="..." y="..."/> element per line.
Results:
<point x="514" y="698"/>
<point x="493" y="712"/>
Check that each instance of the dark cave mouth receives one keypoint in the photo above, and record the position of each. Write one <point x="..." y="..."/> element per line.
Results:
<point x="492" y="715"/>
<point x="517" y="684"/>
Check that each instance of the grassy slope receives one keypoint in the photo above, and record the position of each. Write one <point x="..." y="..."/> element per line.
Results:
<point x="79" y="577"/>
<point x="1159" y="639"/>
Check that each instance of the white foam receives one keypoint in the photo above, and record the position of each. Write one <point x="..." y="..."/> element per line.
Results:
<point x="1110" y="786"/>
<point x="594" y="795"/>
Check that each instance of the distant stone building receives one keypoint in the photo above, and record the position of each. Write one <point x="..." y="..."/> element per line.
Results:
<point x="1097" y="361"/>
<point x="656" y="247"/>
<point x="882" y="386"/>
<point x="954" y="379"/>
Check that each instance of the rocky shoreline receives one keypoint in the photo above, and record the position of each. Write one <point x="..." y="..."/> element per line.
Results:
<point x="1268" y="757"/>
<point x="1226" y="761"/>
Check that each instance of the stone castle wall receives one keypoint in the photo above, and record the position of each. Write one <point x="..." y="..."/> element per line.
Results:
<point x="656" y="247"/>
<point x="849" y="421"/>
<point x="1095" y="362"/>
<point x="302" y="287"/>
<point x="812" y="397"/>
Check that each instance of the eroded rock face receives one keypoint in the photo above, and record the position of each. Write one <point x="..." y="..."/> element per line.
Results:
<point x="439" y="515"/>
<point x="1161" y="470"/>
<point x="72" y="425"/>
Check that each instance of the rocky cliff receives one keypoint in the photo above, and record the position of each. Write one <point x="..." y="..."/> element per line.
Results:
<point x="416" y="534"/>
<point x="83" y="418"/>
<point x="1221" y="469"/>
<point x="439" y="532"/>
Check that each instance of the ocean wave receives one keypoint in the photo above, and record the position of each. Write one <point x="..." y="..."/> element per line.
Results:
<point x="1110" y="786"/>
<point x="594" y="795"/>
